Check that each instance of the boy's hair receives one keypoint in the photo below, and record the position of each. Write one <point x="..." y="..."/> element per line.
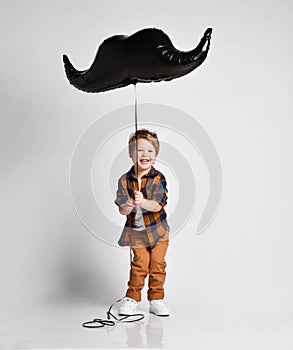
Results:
<point x="151" y="136"/>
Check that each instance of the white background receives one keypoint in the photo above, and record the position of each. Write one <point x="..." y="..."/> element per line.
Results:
<point x="242" y="96"/>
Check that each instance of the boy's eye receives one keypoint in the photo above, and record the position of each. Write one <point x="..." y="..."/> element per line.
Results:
<point x="141" y="150"/>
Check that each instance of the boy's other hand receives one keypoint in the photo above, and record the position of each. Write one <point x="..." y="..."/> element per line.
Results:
<point x="129" y="205"/>
<point x="126" y="208"/>
<point x="138" y="198"/>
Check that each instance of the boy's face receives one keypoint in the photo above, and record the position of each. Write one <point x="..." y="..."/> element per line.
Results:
<point x="146" y="155"/>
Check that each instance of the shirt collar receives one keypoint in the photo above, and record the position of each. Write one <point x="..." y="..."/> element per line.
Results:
<point x="131" y="173"/>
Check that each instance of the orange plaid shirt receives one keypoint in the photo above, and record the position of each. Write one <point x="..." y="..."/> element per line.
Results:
<point x="153" y="187"/>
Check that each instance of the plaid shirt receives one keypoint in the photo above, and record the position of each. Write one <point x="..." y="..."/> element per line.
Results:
<point x="153" y="187"/>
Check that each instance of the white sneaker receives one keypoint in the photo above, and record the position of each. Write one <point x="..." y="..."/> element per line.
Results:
<point x="128" y="307"/>
<point x="158" y="308"/>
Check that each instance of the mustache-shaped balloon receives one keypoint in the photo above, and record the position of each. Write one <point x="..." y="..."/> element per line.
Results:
<point x="146" y="56"/>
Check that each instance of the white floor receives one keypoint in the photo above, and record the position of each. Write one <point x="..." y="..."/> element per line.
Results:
<point x="200" y="327"/>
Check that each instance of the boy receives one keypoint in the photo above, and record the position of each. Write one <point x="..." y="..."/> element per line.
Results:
<point x="142" y="199"/>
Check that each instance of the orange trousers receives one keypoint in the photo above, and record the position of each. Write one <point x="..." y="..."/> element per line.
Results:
<point x="147" y="261"/>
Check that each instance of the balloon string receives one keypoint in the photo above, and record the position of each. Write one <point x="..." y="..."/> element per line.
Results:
<point x="136" y="138"/>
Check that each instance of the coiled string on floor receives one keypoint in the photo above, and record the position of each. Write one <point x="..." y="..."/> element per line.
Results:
<point x="99" y="322"/>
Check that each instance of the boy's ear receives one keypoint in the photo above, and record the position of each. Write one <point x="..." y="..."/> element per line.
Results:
<point x="130" y="156"/>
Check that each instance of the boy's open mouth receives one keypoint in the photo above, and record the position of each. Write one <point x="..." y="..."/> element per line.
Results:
<point x="144" y="161"/>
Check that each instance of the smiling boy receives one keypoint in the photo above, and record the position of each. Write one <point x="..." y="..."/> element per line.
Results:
<point x="142" y="197"/>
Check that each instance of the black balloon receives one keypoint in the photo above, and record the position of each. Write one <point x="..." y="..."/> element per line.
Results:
<point x="146" y="56"/>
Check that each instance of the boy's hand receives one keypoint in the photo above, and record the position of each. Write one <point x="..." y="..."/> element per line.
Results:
<point x="126" y="208"/>
<point x="138" y="198"/>
<point x="149" y="205"/>
<point x="129" y="205"/>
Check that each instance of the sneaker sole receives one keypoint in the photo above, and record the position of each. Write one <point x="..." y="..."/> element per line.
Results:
<point x="166" y="315"/>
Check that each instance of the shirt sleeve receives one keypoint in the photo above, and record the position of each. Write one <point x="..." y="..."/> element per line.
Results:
<point x="159" y="193"/>
<point x="121" y="194"/>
